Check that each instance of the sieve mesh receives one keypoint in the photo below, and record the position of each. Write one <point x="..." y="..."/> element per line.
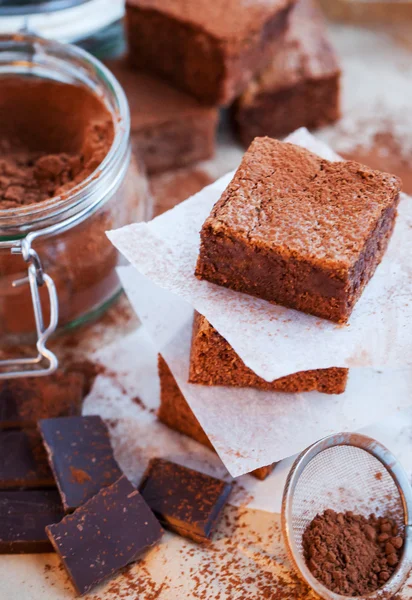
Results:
<point x="344" y="478"/>
<point x="346" y="472"/>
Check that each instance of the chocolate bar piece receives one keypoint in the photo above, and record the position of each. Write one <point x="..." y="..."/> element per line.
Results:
<point x="24" y="516"/>
<point x="175" y="412"/>
<point x="186" y="501"/>
<point x="81" y="457"/>
<point x="23" y="461"/>
<point x="23" y="402"/>
<point x="107" y="533"/>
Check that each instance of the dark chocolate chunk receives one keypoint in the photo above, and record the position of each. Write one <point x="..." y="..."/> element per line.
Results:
<point x="23" y="461"/>
<point x="23" y="402"/>
<point x="24" y="515"/>
<point x="81" y="457"/>
<point x="184" y="500"/>
<point x="107" y="533"/>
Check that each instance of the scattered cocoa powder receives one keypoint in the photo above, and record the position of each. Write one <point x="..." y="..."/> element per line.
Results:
<point x="350" y="554"/>
<point x="79" y="475"/>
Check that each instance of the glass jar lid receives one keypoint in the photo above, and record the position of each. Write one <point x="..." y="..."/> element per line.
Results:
<point x="25" y="7"/>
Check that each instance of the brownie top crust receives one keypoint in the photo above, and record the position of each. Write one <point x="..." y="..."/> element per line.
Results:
<point x="306" y="52"/>
<point x="285" y="199"/>
<point x="225" y="20"/>
<point x="151" y="100"/>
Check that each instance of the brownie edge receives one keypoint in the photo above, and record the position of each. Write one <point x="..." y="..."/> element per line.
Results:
<point x="214" y="362"/>
<point x="175" y="413"/>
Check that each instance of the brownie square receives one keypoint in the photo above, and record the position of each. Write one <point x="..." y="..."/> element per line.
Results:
<point x="301" y="85"/>
<point x="81" y="457"/>
<point x="210" y="49"/>
<point x="214" y="362"/>
<point x="298" y="230"/>
<point x="169" y="129"/>
<point x="175" y="412"/>
<point x="184" y="500"/>
<point x="113" y="529"/>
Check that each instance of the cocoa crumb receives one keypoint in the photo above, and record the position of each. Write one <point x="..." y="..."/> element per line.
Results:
<point x="139" y="402"/>
<point x="79" y="476"/>
<point x="350" y="554"/>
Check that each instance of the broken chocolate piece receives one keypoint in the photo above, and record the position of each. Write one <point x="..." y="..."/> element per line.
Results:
<point x="185" y="501"/>
<point x="110" y="531"/>
<point x="23" y="461"/>
<point x="25" y="401"/>
<point x="24" y="515"/>
<point x="81" y="457"/>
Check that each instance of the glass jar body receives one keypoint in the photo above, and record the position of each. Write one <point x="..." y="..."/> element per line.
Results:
<point x="80" y="260"/>
<point x="68" y="232"/>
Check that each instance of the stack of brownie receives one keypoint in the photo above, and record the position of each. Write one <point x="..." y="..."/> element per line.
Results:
<point x="62" y="489"/>
<point x="296" y="230"/>
<point x="270" y="62"/>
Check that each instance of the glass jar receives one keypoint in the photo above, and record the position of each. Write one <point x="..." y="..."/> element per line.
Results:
<point x="56" y="251"/>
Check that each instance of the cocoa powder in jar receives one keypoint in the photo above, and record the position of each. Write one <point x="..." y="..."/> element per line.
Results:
<point x="53" y="136"/>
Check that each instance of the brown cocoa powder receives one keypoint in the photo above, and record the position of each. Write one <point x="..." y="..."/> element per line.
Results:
<point x="350" y="554"/>
<point x="53" y="136"/>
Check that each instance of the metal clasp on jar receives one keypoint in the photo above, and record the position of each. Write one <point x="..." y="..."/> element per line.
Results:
<point x="36" y="278"/>
<point x="45" y="362"/>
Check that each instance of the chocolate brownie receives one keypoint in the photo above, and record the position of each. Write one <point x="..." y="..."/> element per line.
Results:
<point x="300" y="87"/>
<point x="298" y="230"/>
<point x="169" y="129"/>
<point x="214" y="362"/>
<point x="175" y="412"/>
<point x="211" y="49"/>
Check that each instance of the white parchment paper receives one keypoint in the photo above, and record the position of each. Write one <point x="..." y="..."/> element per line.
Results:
<point x="250" y="428"/>
<point x="272" y="340"/>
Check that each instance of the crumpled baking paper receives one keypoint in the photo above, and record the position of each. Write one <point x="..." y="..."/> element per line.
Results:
<point x="272" y="340"/>
<point x="250" y="428"/>
<point x="127" y="394"/>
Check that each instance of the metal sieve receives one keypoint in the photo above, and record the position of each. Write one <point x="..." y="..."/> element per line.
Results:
<point x="345" y="472"/>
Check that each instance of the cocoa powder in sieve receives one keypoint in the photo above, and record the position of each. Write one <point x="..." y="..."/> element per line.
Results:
<point x="350" y="554"/>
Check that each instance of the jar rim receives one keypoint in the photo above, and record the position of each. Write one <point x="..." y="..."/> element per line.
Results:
<point x="56" y="205"/>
